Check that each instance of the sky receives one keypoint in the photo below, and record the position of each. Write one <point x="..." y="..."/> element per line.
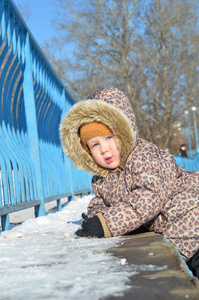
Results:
<point x="39" y="21"/>
<point x="42" y="258"/>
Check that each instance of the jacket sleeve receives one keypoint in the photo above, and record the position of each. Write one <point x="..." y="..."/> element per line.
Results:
<point x="96" y="205"/>
<point x="111" y="214"/>
<point x="151" y="186"/>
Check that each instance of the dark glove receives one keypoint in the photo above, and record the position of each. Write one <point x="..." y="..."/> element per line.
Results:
<point x="91" y="227"/>
<point x="84" y="216"/>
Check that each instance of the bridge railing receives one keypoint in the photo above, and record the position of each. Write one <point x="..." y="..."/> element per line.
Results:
<point x="33" y="168"/>
<point x="190" y="164"/>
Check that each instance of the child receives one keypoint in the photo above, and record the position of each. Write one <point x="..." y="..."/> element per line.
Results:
<point x="135" y="183"/>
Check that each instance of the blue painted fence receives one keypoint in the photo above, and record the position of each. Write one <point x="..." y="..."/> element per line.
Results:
<point x="33" y="168"/>
<point x="190" y="164"/>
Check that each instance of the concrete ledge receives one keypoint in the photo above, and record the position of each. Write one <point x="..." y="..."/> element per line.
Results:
<point x="162" y="272"/>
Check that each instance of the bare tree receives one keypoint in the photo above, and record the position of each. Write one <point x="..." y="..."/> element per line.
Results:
<point x="169" y="33"/>
<point x="25" y="11"/>
<point x="145" y="48"/>
<point x="101" y="35"/>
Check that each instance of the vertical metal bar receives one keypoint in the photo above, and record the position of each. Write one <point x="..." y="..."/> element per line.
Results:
<point x="29" y="103"/>
<point x="195" y="127"/>
<point x="188" y="128"/>
<point x="67" y="162"/>
<point x="5" y="223"/>
<point x="59" y="204"/>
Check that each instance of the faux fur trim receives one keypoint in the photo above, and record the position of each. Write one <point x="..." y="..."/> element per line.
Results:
<point x="89" y="111"/>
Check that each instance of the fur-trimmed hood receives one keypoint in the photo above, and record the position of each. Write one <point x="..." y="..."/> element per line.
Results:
<point x="109" y="106"/>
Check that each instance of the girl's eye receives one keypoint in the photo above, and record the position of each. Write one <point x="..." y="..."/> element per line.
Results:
<point x="96" y="144"/>
<point x="109" y="137"/>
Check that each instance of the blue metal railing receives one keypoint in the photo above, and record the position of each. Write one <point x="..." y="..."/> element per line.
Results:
<point x="33" y="169"/>
<point x="190" y="164"/>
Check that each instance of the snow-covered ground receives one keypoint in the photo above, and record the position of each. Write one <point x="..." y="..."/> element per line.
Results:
<point x="42" y="258"/>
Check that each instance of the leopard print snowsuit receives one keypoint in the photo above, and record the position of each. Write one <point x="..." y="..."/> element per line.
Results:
<point x="148" y="188"/>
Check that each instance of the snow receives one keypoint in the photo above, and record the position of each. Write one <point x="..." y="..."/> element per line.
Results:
<point x="43" y="258"/>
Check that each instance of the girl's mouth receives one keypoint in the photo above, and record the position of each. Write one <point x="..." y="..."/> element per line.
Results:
<point x="108" y="160"/>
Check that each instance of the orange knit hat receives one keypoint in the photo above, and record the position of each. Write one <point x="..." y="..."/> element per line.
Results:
<point x="89" y="130"/>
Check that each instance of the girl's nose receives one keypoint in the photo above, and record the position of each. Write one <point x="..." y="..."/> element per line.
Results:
<point x="104" y="147"/>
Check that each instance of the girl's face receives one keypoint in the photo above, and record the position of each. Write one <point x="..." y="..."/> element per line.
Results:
<point x="105" y="151"/>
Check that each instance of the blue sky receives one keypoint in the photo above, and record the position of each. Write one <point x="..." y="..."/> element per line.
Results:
<point x="39" y="22"/>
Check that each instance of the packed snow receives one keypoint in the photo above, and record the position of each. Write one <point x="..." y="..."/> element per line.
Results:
<point x="43" y="258"/>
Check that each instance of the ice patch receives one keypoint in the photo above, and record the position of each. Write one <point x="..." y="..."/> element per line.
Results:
<point x="11" y="234"/>
<point x="148" y="268"/>
<point x="123" y="261"/>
